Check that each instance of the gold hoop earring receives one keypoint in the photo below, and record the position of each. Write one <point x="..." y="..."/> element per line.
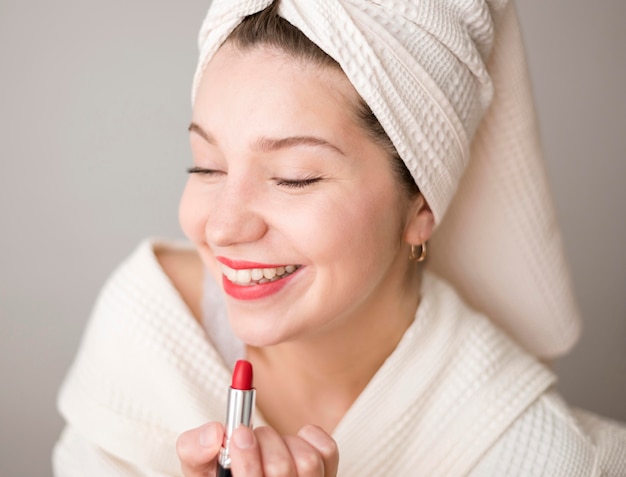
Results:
<point x="414" y="256"/>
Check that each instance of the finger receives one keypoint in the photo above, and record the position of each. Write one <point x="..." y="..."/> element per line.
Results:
<point x="325" y="445"/>
<point x="275" y="456"/>
<point x="198" y="448"/>
<point x="245" y="455"/>
<point x="307" y="459"/>
<point x="260" y="453"/>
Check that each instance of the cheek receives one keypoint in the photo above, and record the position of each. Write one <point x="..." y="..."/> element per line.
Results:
<point x="192" y="214"/>
<point x="377" y="231"/>
<point x="350" y="227"/>
<point x="374" y="236"/>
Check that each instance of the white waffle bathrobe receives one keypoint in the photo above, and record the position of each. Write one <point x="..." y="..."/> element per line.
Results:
<point x="456" y="398"/>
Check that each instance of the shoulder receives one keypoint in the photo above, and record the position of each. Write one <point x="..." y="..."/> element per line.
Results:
<point x="551" y="439"/>
<point x="142" y="365"/>
<point x="166" y="271"/>
<point x="183" y="267"/>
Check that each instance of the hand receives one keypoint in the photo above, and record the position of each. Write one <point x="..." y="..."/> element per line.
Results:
<point x="259" y="453"/>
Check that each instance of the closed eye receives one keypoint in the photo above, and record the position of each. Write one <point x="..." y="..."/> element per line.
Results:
<point x="297" y="184"/>
<point x="202" y="170"/>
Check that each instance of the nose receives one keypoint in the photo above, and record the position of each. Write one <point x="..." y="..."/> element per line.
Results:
<point x="236" y="215"/>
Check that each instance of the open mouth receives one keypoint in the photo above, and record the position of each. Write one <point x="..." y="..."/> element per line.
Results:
<point x="257" y="276"/>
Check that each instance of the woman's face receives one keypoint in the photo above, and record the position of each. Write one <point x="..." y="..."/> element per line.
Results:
<point x="293" y="208"/>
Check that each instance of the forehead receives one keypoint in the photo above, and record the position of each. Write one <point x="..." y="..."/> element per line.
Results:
<point x="268" y="84"/>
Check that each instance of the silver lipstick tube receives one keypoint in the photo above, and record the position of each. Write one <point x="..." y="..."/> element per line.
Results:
<point x="238" y="412"/>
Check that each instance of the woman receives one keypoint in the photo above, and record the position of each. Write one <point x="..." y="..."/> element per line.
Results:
<point x="329" y="139"/>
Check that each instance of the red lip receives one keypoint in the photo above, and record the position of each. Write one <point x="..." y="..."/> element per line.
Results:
<point x="244" y="264"/>
<point x="256" y="292"/>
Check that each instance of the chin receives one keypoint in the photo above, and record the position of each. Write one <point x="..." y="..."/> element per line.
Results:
<point x="259" y="340"/>
<point x="257" y="334"/>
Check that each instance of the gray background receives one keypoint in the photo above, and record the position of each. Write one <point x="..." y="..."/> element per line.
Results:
<point x="94" y="104"/>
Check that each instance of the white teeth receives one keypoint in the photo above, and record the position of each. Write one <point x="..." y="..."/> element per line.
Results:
<point x="254" y="276"/>
<point x="269" y="273"/>
<point x="229" y="272"/>
<point x="243" y="276"/>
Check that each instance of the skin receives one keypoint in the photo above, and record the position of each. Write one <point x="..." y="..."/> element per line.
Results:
<point x="332" y="206"/>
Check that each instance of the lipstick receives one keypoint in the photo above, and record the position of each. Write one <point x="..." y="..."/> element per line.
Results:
<point x="255" y="290"/>
<point x="238" y="411"/>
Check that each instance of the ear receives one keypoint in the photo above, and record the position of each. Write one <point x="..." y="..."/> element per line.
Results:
<point x="420" y="222"/>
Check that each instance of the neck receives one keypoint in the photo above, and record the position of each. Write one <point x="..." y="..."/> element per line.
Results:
<point x="315" y="380"/>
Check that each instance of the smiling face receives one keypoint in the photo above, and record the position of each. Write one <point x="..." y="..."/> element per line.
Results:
<point x="293" y="207"/>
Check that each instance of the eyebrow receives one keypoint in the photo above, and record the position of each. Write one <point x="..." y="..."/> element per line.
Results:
<point x="268" y="144"/>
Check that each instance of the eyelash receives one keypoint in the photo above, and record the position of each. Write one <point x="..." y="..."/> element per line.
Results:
<point x="298" y="184"/>
<point x="201" y="170"/>
<point x="290" y="183"/>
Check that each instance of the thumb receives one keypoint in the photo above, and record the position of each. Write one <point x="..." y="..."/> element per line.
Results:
<point x="198" y="449"/>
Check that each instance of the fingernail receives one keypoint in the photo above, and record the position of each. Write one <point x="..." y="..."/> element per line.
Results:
<point x="243" y="438"/>
<point x="314" y="436"/>
<point x="209" y="437"/>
